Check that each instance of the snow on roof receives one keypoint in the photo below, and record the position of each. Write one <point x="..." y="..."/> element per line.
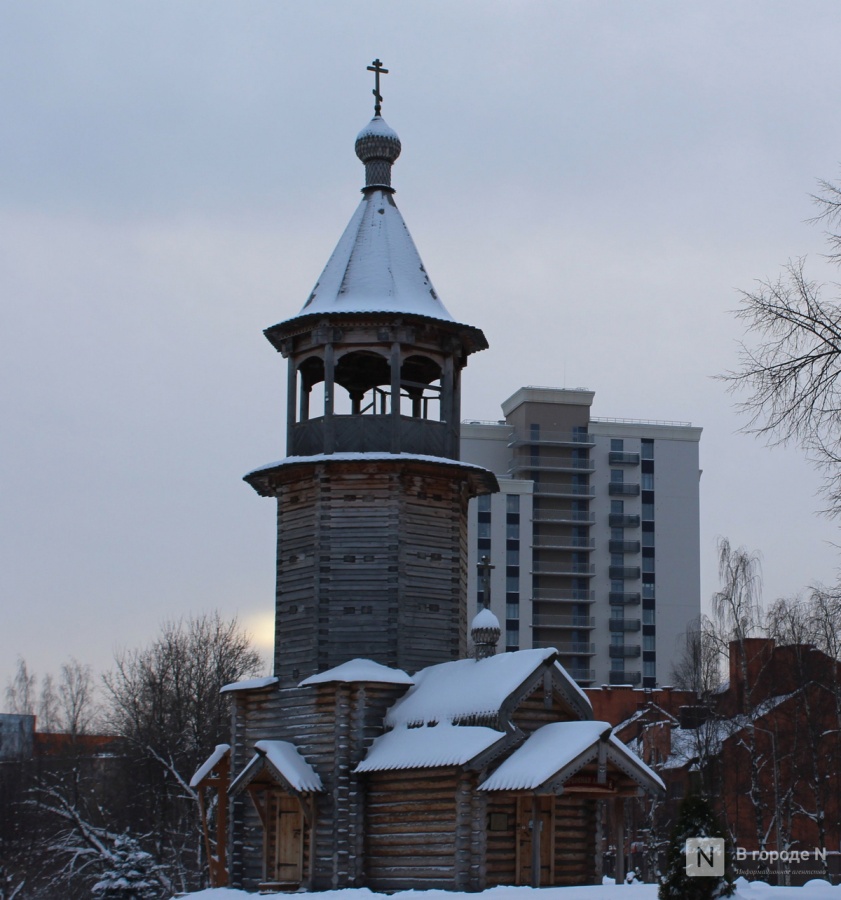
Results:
<point x="375" y="267"/>
<point x="465" y="687"/>
<point x="370" y="457"/>
<point x="571" y="683"/>
<point x="429" y="746"/>
<point x="209" y="764"/>
<point x="484" y="619"/>
<point x="286" y="759"/>
<point x="545" y="751"/>
<point x="360" y="670"/>
<point x="552" y="747"/>
<point x="628" y="755"/>
<point x="250" y="685"/>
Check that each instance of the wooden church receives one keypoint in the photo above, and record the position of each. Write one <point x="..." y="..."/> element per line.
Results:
<point x="391" y="749"/>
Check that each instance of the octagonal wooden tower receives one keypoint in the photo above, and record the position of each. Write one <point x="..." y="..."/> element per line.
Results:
<point x="372" y="498"/>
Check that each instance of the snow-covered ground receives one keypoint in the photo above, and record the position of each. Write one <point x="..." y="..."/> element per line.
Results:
<point x="745" y="890"/>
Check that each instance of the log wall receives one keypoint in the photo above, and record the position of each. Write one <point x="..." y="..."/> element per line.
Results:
<point x="425" y="829"/>
<point x="371" y="563"/>
<point x="332" y="726"/>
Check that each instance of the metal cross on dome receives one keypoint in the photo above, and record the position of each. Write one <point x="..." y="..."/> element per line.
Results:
<point x="377" y="68"/>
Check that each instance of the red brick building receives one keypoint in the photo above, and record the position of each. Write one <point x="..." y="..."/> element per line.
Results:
<point x="766" y="748"/>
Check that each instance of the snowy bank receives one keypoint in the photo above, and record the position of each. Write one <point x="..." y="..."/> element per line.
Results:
<point x="745" y="890"/>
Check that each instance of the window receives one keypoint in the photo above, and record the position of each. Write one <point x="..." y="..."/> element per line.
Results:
<point x="648" y="641"/>
<point x="512" y="610"/>
<point x="617" y="534"/>
<point x="512" y="584"/>
<point x="647" y="448"/>
<point x="512" y="503"/>
<point x="648" y="481"/>
<point x="617" y="559"/>
<point x="484" y="529"/>
<point x="617" y="587"/>
<point x="617" y="476"/>
<point x="512" y="531"/>
<point x="649" y="668"/>
<point x="617" y="507"/>
<point x="648" y="563"/>
<point x="512" y="557"/>
<point x="648" y="511"/>
<point x="617" y="444"/>
<point x="648" y="617"/>
<point x="483" y="503"/>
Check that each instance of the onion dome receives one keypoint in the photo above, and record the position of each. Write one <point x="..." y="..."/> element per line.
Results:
<point x="378" y="146"/>
<point x="485" y="632"/>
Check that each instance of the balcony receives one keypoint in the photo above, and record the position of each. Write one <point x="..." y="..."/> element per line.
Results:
<point x="621" y="651"/>
<point x="624" y="624"/>
<point x="618" y="520"/>
<point x="588" y="570"/>
<point x="564" y="543"/>
<point x="565" y="516"/>
<point x="564" y="490"/>
<point x="617" y="598"/>
<point x="581" y="674"/>
<point x="625" y="677"/>
<point x="574" y="648"/>
<point x="624" y="546"/>
<point x="565" y="595"/>
<point x="623" y="489"/>
<point x="549" y="464"/>
<point x="620" y="458"/>
<point x="543" y="620"/>
<point x="552" y="438"/>
<point x="624" y="572"/>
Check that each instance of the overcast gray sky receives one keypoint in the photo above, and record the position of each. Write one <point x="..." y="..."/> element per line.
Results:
<point x="589" y="182"/>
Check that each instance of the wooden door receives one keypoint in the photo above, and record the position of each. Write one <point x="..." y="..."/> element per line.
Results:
<point x="285" y="841"/>
<point x="525" y="837"/>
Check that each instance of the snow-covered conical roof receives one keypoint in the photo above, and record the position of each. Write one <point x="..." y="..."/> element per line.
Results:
<point x="376" y="266"/>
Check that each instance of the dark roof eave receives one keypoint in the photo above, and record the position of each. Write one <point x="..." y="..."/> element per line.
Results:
<point x="472" y="337"/>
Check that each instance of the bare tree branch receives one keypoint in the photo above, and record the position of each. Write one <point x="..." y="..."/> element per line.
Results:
<point x="790" y="370"/>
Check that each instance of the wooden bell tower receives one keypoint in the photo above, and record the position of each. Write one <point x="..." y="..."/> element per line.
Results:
<point x="372" y="498"/>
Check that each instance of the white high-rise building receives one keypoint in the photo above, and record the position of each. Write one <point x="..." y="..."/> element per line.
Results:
<point x="594" y="536"/>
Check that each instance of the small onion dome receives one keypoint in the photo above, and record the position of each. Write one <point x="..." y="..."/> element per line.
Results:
<point x="485" y="632"/>
<point x="378" y="146"/>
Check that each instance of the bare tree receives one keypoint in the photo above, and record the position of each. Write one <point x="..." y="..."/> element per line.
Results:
<point x="165" y="703"/>
<point x="76" y="698"/>
<point x="791" y="372"/>
<point x="48" y="709"/>
<point x="737" y="616"/>
<point x="697" y="666"/>
<point x="20" y="692"/>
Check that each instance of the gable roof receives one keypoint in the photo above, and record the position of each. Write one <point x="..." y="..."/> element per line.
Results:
<point x="284" y="764"/>
<point x="465" y="688"/>
<point x="555" y="752"/>
<point x="219" y="753"/>
<point x="429" y="747"/>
